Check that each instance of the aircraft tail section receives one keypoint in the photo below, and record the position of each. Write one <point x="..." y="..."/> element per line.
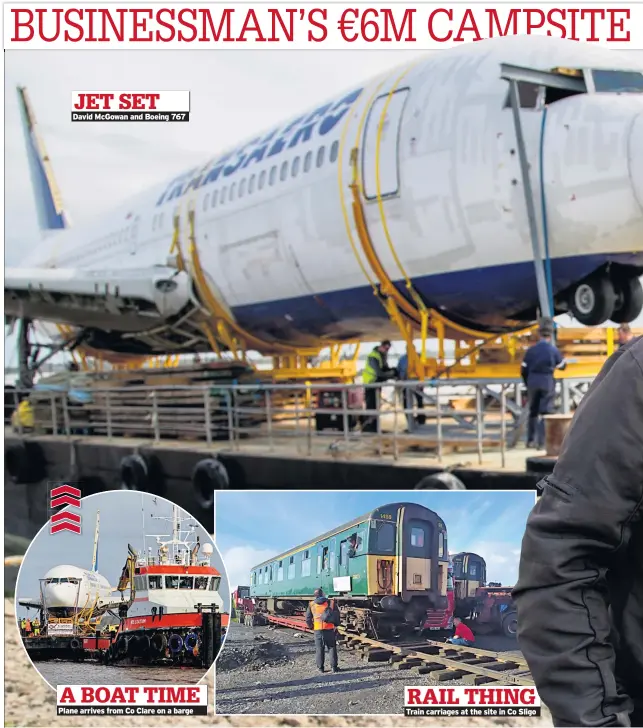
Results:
<point x="51" y="215"/>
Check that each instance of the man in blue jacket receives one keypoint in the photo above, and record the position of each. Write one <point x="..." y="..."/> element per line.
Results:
<point x="538" y="367"/>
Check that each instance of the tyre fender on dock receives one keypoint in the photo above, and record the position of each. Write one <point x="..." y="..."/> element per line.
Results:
<point x="208" y="476"/>
<point x="440" y="481"/>
<point x="25" y="463"/>
<point x="135" y="473"/>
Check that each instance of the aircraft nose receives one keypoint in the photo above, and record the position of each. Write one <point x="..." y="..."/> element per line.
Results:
<point x="635" y="158"/>
<point x="60" y="595"/>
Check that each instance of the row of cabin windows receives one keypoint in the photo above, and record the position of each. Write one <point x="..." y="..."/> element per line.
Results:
<point x="325" y="562"/>
<point x="210" y="583"/>
<point x="269" y="177"/>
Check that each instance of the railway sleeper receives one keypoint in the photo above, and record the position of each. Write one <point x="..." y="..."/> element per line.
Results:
<point x="449" y="674"/>
<point x="407" y="664"/>
<point x="427" y="669"/>
<point x="377" y="655"/>
<point x="479" y="680"/>
<point x="502" y="666"/>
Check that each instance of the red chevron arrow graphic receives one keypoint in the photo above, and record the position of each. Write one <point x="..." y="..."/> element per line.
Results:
<point x="65" y="526"/>
<point x="65" y="500"/>
<point x="65" y="516"/>
<point x="65" y="490"/>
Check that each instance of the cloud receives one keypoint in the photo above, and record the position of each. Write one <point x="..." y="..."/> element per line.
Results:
<point x="502" y="558"/>
<point x="239" y="560"/>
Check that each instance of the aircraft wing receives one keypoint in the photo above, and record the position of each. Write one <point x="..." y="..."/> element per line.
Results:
<point x="30" y="603"/>
<point x="121" y="301"/>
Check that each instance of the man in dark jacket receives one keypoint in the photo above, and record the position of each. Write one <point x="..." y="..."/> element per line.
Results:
<point x="580" y="588"/>
<point x="323" y="617"/>
<point x="538" y="367"/>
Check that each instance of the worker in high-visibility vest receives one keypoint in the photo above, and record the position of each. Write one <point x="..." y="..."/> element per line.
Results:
<point x="376" y="370"/>
<point x="28" y="627"/>
<point x="23" y="625"/>
<point x="36" y="627"/>
<point x="323" y="618"/>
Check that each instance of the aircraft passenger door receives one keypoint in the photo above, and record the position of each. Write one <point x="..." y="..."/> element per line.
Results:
<point x="383" y="124"/>
<point x="417" y="555"/>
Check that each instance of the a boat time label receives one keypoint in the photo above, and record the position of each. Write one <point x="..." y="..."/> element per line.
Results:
<point x="132" y="700"/>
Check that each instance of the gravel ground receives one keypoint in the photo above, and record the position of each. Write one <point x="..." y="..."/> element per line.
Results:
<point x="263" y="670"/>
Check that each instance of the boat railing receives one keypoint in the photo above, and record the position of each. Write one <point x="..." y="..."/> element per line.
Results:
<point x="306" y="419"/>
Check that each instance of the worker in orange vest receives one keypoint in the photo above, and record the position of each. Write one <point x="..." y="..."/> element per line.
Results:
<point x="323" y="617"/>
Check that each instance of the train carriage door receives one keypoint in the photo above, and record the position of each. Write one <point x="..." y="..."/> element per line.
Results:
<point x="417" y="555"/>
<point x="381" y="145"/>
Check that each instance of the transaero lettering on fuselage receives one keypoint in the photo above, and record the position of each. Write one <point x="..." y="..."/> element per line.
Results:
<point x="321" y="121"/>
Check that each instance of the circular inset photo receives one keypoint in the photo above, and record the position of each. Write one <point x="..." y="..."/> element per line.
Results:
<point x="129" y="588"/>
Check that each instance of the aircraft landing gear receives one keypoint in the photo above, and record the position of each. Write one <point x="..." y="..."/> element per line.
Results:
<point x="616" y="296"/>
<point x="593" y="300"/>
<point x="629" y="299"/>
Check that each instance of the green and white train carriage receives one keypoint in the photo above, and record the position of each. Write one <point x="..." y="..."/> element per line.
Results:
<point x="386" y="569"/>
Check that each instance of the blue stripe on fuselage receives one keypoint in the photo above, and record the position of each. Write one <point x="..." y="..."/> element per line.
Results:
<point x="487" y="297"/>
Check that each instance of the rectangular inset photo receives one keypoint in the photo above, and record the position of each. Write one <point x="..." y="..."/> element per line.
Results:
<point x="343" y="599"/>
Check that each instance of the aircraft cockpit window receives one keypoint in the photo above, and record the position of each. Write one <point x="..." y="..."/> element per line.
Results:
<point x="618" y="81"/>
<point x="52" y="581"/>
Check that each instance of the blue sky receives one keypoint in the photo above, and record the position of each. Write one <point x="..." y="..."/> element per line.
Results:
<point x="254" y="526"/>
<point x="121" y="522"/>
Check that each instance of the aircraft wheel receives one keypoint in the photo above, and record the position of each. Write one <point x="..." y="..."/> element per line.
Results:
<point x="593" y="301"/>
<point x="629" y="299"/>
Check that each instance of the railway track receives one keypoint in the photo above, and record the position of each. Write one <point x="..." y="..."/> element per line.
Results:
<point x="439" y="660"/>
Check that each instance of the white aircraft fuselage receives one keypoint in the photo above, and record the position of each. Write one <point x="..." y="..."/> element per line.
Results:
<point x="69" y="588"/>
<point x="442" y="194"/>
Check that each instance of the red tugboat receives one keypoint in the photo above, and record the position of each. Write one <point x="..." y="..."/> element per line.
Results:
<point x="175" y="613"/>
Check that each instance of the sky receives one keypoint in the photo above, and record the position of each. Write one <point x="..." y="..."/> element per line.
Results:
<point x="122" y="514"/>
<point x="234" y="95"/>
<point x="255" y="526"/>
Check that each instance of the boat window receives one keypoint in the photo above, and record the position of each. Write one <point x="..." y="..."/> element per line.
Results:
<point x="214" y="583"/>
<point x="251" y="184"/>
<point x="308" y="159"/>
<point x="320" y="156"/>
<point x="385" y="538"/>
<point x="171" y="582"/>
<point x="295" y="167"/>
<point x="200" y="582"/>
<point x="280" y="571"/>
<point x="417" y="537"/>
<point x="284" y="171"/>
<point x="291" y="568"/>
<point x="623" y="81"/>
<point x="155" y="582"/>
<point x="186" y="582"/>
<point x="334" y="151"/>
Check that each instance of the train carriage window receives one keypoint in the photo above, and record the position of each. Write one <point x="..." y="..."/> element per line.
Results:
<point x="284" y="171"/>
<point x="200" y="582"/>
<point x="186" y="582"/>
<point x="417" y="537"/>
<point x="319" y="559"/>
<point x="305" y="564"/>
<point x="385" y="538"/>
<point x="291" y="568"/>
<point x="242" y="188"/>
<point x="334" y="150"/>
<point x="295" y="167"/>
<point x="214" y="583"/>
<point x="273" y="176"/>
<point x="259" y="577"/>
<point x="171" y="582"/>
<point x="262" y="179"/>
<point x="320" y="156"/>
<point x="215" y="194"/>
<point x="251" y="184"/>
<point x="308" y="160"/>
<point x="331" y="563"/>
<point x="280" y="571"/>
<point x="252" y="578"/>
<point x="325" y="558"/>
<point x="156" y="582"/>
<point x="441" y="544"/>
<point x="473" y="570"/>
<point x="343" y="553"/>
